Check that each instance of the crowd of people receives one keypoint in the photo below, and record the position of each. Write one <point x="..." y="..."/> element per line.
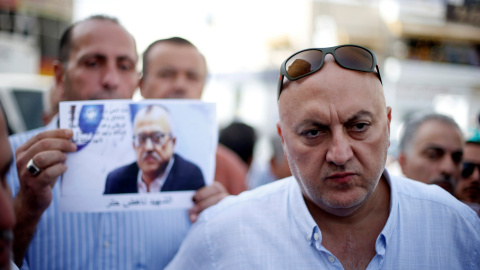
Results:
<point x="335" y="207"/>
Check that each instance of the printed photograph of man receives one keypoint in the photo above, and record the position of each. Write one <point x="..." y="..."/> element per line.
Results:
<point x="158" y="167"/>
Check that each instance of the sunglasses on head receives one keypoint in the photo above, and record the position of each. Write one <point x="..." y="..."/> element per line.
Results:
<point x="309" y="61"/>
<point x="468" y="169"/>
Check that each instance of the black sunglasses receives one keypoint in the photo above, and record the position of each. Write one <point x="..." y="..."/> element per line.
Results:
<point x="468" y="169"/>
<point x="306" y="62"/>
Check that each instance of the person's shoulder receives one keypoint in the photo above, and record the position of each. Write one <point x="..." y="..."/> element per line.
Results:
<point x="179" y="159"/>
<point x="227" y="157"/>
<point x="121" y="171"/>
<point x="257" y="202"/>
<point x="431" y="196"/>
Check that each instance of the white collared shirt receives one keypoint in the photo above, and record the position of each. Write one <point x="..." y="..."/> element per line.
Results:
<point x="157" y="183"/>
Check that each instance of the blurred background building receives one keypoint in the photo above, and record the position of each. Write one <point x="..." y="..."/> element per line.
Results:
<point x="429" y="50"/>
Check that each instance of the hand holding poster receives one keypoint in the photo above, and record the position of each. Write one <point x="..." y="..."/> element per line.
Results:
<point x="137" y="155"/>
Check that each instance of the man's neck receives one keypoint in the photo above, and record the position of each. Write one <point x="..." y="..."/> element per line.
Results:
<point x="149" y="178"/>
<point x="352" y="238"/>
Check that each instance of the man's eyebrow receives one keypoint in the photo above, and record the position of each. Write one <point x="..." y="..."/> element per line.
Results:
<point x="125" y="57"/>
<point x="360" y="114"/>
<point x="433" y="147"/>
<point x="92" y="55"/>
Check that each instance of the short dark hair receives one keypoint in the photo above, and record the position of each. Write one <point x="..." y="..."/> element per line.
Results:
<point x="173" y="40"/>
<point x="240" y="138"/>
<point x="66" y="38"/>
<point x="413" y="123"/>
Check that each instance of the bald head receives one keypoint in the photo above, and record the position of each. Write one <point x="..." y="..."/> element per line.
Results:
<point x="334" y="83"/>
<point x="335" y="122"/>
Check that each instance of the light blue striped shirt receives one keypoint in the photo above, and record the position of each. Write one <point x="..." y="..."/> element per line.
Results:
<point x="123" y="240"/>
<point x="271" y="228"/>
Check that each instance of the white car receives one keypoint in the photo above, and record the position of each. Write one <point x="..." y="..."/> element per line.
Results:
<point x="23" y="98"/>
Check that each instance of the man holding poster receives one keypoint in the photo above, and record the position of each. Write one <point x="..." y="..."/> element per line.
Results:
<point x="157" y="167"/>
<point x="97" y="60"/>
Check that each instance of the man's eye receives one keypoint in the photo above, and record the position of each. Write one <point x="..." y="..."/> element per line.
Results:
<point x="434" y="154"/>
<point x="166" y="74"/>
<point x="193" y="77"/>
<point x="91" y="63"/>
<point x="125" y="66"/>
<point x="311" y="133"/>
<point x="457" y="158"/>
<point x="360" y="127"/>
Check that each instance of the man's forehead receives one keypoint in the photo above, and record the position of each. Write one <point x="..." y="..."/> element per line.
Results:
<point x="334" y="85"/>
<point x="436" y="142"/>
<point x="103" y="37"/>
<point x="176" y="56"/>
<point x="433" y="130"/>
<point x="153" y="116"/>
<point x="472" y="152"/>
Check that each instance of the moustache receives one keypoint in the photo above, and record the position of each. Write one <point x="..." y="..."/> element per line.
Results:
<point x="151" y="155"/>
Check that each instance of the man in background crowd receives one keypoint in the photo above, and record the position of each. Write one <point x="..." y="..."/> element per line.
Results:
<point x="275" y="168"/>
<point x="431" y="150"/>
<point x="468" y="187"/>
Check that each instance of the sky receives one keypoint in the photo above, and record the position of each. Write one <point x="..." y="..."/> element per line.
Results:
<point x="225" y="31"/>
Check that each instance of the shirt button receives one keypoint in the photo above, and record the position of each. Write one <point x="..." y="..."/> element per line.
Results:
<point x="331" y="259"/>
<point x="316" y="236"/>
<point x="106" y="244"/>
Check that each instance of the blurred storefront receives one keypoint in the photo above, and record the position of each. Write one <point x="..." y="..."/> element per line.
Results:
<point x="29" y="36"/>
<point x="29" y="33"/>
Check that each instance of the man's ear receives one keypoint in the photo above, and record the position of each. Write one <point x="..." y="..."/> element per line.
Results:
<point x="279" y="131"/>
<point x="389" y="118"/>
<point x="59" y="71"/>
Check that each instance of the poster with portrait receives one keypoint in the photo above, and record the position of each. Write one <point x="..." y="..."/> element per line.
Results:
<point x="150" y="154"/>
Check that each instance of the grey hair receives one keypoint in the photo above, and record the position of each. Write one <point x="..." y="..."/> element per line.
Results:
<point x="415" y="121"/>
<point x="146" y="110"/>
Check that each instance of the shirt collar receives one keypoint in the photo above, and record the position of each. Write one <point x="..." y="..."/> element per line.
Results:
<point x="392" y="220"/>
<point x="157" y="183"/>
<point x="310" y="230"/>
<point x="300" y="213"/>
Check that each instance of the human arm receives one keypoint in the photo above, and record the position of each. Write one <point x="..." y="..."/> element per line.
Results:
<point x="48" y="151"/>
<point x="206" y="197"/>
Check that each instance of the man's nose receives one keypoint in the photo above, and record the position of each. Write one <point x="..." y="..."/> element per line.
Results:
<point x="476" y="174"/>
<point x="340" y="150"/>
<point x="149" y="144"/>
<point x="449" y="168"/>
<point x="110" y="77"/>
<point x="180" y="83"/>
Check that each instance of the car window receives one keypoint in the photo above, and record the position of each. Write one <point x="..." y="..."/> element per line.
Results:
<point x="31" y="107"/>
